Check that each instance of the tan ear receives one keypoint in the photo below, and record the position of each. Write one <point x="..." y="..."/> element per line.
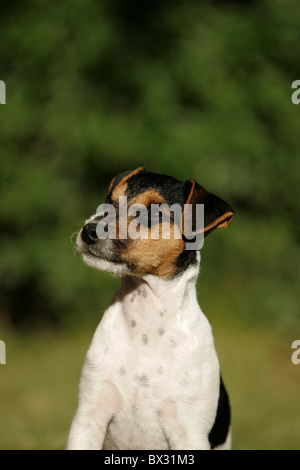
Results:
<point x="217" y="213"/>
<point x="121" y="178"/>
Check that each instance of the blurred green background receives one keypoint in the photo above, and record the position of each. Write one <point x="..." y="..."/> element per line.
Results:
<point x="192" y="89"/>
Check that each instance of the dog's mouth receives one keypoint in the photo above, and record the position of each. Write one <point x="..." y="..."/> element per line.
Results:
<point x="97" y="250"/>
<point x="94" y="251"/>
<point x="101" y="256"/>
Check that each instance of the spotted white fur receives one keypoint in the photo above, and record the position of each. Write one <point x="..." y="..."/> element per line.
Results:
<point x="151" y="375"/>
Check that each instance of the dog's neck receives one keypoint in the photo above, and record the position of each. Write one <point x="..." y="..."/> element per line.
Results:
<point x="167" y="296"/>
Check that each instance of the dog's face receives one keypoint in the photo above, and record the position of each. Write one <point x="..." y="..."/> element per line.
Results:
<point x="117" y="241"/>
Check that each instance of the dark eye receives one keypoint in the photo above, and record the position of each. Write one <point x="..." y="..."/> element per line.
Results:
<point x="154" y="215"/>
<point x="154" y="212"/>
<point x="149" y="217"/>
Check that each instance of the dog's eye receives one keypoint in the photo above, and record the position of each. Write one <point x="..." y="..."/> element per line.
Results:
<point x="154" y="215"/>
<point x="154" y="212"/>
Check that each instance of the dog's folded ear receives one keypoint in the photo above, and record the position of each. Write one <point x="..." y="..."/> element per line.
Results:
<point x="121" y="178"/>
<point x="217" y="213"/>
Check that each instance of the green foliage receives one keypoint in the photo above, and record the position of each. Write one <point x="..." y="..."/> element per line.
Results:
<point x="192" y="89"/>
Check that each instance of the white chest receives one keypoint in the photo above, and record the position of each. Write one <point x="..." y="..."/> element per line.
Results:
<point x="160" y="360"/>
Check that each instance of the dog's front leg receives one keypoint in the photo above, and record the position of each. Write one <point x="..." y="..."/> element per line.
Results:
<point x="196" y="443"/>
<point x="98" y="402"/>
<point x="88" y="430"/>
<point x="187" y="439"/>
<point x="186" y="427"/>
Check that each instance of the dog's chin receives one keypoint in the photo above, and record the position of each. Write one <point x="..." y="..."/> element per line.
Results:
<point x="92" y="259"/>
<point x="101" y="264"/>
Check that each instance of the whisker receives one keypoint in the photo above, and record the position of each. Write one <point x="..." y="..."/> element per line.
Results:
<point x="73" y="238"/>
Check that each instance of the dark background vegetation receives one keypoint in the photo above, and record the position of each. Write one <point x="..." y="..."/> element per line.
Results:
<point x="192" y="89"/>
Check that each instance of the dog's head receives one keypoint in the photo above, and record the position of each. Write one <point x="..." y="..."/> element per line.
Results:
<point x="148" y="225"/>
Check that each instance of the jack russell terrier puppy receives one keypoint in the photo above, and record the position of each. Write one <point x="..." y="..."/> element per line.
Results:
<point x="151" y="377"/>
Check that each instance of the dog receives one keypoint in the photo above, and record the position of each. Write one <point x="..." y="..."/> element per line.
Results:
<point x="151" y="378"/>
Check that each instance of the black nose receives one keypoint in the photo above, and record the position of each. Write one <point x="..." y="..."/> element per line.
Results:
<point x="89" y="234"/>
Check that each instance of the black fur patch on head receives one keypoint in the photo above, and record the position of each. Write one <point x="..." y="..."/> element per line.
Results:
<point x="171" y="189"/>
